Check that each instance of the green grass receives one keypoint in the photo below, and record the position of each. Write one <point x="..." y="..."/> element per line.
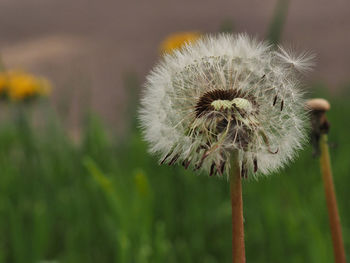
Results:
<point x="107" y="200"/>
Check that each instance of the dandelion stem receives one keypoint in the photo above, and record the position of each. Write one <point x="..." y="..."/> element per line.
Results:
<point x="238" y="249"/>
<point x="334" y="220"/>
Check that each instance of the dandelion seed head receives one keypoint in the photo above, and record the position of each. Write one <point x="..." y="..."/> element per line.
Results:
<point x="222" y="94"/>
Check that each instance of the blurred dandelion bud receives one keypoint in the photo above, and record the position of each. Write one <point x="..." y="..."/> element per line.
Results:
<point x="178" y="40"/>
<point x="319" y="138"/>
<point x="3" y="85"/>
<point x="318" y="104"/>
<point x="21" y="86"/>
<point x="319" y="123"/>
<point x="221" y="95"/>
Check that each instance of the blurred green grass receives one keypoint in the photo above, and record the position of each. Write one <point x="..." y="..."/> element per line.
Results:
<point x="107" y="200"/>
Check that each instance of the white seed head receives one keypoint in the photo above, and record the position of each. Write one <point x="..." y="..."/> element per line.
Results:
<point x="223" y="94"/>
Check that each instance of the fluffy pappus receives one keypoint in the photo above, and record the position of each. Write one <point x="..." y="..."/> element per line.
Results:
<point x="303" y="62"/>
<point x="222" y="94"/>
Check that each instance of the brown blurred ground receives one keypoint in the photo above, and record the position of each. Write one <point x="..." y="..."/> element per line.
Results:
<point x="86" y="47"/>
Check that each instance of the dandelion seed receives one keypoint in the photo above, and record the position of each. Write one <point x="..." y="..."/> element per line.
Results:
<point x="218" y="96"/>
<point x="302" y="62"/>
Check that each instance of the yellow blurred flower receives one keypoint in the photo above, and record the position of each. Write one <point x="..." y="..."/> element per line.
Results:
<point x="3" y="84"/>
<point x="178" y="40"/>
<point x="20" y="86"/>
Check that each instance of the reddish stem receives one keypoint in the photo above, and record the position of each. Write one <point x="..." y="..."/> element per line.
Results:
<point x="238" y="248"/>
<point x="334" y="220"/>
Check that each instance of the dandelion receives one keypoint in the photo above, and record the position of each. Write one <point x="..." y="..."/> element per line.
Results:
<point x="21" y="86"/>
<point x="224" y="94"/>
<point x="3" y="85"/>
<point x="178" y="40"/>
<point x="319" y="137"/>
<point x="225" y="105"/>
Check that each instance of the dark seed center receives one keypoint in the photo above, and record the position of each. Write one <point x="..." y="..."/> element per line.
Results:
<point x="204" y="104"/>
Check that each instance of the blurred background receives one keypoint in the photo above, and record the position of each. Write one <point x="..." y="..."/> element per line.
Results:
<point x="89" y="46"/>
<point x="76" y="181"/>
